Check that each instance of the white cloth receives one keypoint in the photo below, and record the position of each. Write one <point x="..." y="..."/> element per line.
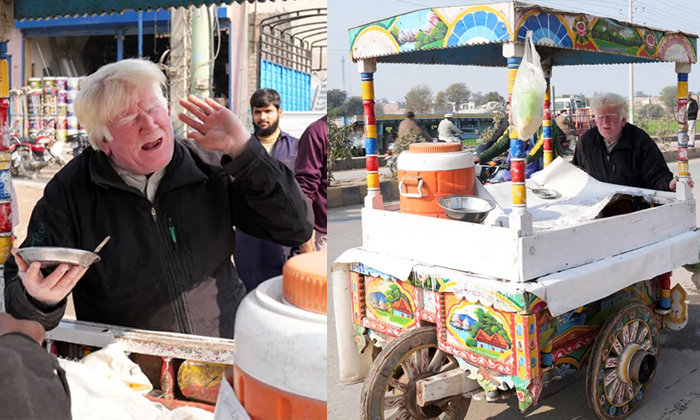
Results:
<point x="97" y="392"/>
<point x="446" y="130"/>
<point x="691" y="133"/>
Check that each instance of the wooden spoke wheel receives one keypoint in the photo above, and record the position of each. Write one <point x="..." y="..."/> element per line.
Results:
<point x="623" y="362"/>
<point x="389" y="393"/>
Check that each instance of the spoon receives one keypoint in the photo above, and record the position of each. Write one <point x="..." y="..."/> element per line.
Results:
<point x="545" y="193"/>
<point x="102" y="244"/>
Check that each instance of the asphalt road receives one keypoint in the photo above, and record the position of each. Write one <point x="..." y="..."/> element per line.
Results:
<point x="674" y="394"/>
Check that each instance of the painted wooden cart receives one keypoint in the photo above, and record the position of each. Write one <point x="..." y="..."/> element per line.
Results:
<point x="489" y="310"/>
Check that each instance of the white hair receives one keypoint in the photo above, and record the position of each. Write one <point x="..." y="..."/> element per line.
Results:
<point x="610" y="100"/>
<point x="105" y="95"/>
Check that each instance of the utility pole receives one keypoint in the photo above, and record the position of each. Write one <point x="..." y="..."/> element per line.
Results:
<point x="342" y="69"/>
<point x="631" y="87"/>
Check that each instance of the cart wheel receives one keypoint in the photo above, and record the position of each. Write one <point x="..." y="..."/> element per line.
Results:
<point x="389" y="393"/>
<point x="623" y="362"/>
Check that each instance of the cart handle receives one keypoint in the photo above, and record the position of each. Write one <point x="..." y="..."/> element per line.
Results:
<point x="415" y="181"/>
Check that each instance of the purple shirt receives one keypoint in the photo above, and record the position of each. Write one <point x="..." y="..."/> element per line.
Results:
<point x="285" y="149"/>
<point x="258" y="260"/>
<point x="311" y="170"/>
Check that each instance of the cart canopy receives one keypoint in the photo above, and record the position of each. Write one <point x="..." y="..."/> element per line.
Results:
<point x="472" y="35"/>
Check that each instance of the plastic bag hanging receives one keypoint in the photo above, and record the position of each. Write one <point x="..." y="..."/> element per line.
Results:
<point x="527" y="108"/>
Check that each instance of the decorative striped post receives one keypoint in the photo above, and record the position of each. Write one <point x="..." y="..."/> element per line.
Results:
<point x="547" y="125"/>
<point x="683" y="191"/>
<point x="519" y="219"/>
<point x="517" y="146"/>
<point x="5" y="159"/>
<point x="665" y="291"/>
<point x="373" y="199"/>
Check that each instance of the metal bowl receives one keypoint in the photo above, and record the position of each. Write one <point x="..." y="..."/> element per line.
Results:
<point x="53" y="256"/>
<point x="466" y="208"/>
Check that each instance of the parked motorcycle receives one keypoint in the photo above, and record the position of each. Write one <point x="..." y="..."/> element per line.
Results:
<point x="30" y="154"/>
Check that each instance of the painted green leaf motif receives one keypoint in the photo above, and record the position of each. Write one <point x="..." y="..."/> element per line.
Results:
<point x="384" y="24"/>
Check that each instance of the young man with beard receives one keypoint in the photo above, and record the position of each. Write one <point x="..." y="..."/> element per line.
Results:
<point x="258" y="260"/>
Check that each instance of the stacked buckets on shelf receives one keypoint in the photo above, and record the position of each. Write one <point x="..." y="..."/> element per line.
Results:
<point x="34" y="108"/>
<point x="62" y="105"/>
<point x="50" y="107"/>
<point x="72" y="121"/>
<point x="5" y="160"/>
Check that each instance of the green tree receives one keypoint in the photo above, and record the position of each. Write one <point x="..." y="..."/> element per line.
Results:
<point x="640" y="94"/>
<point x="669" y="97"/>
<point x="336" y="98"/>
<point x="494" y="97"/>
<point x="471" y="342"/>
<point x="441" y="99"/>
<point x="458" y="93"/>
<point x="478" y="99"/>
<point x="651" y="111"/>
<point x="392" y="295"/>
<point x="353" y="106"/>
<point x="339" y="145"/>
<point x="419" y="99"/>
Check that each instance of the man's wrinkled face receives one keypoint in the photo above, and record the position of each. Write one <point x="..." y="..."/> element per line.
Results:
<point x="143" y="140"/>
<point x="266" y="120"/>
<point x="609" y="122"/>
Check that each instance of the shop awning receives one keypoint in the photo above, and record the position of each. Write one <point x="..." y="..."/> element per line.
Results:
<point x="44" y="9"/>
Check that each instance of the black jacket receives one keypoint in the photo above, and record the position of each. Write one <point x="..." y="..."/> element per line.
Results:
<point x="33" y="384"/>
<point x="692" y="109"/>
<point x="168" y="265"/>
<point x="635" y="161"/>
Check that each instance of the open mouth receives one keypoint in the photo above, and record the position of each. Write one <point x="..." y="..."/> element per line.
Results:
<point x="152" y="145"/>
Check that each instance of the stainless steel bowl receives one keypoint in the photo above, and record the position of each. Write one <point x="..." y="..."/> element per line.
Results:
<point x="53" y="256"/>
<point x="466" y="208"/>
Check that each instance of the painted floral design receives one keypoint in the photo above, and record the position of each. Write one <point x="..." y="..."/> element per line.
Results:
<point x="582" y="34"/>
<point x="651" y="41"/>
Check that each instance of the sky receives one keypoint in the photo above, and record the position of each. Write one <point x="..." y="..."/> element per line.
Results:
<point x="392" y="81"/>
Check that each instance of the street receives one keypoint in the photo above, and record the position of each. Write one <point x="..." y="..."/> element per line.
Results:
<point x="358" y="173"/>
<point x="674" y="394"/>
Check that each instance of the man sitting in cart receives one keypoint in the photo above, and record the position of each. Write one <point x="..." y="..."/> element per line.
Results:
<point x="169" y="206"/>
<point x="618" y="152"/>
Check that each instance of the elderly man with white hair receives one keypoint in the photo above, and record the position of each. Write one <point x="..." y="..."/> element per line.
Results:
<point x="169" y="205"/>
<point x="618" y="152"/>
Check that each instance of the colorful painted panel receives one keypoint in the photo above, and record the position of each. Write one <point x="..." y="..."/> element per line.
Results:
<point x="446" y="27"/>
<point x="390" y="302"/>
<point x="548" y="29"/>
<point x="480" y="329"/>
<point x="467" y="288"/>
<point x="430" y="29"/>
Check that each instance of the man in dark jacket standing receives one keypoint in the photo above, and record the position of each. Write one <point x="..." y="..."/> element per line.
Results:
<point x="692" y="116"/>
<point x="169" y="206"/>
<point x="619" y="153"/>
<point x="258" y="260"/>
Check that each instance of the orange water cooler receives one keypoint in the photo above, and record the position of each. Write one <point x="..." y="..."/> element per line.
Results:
<point x="429" y="171"/>
<point x="279" y="370"/>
